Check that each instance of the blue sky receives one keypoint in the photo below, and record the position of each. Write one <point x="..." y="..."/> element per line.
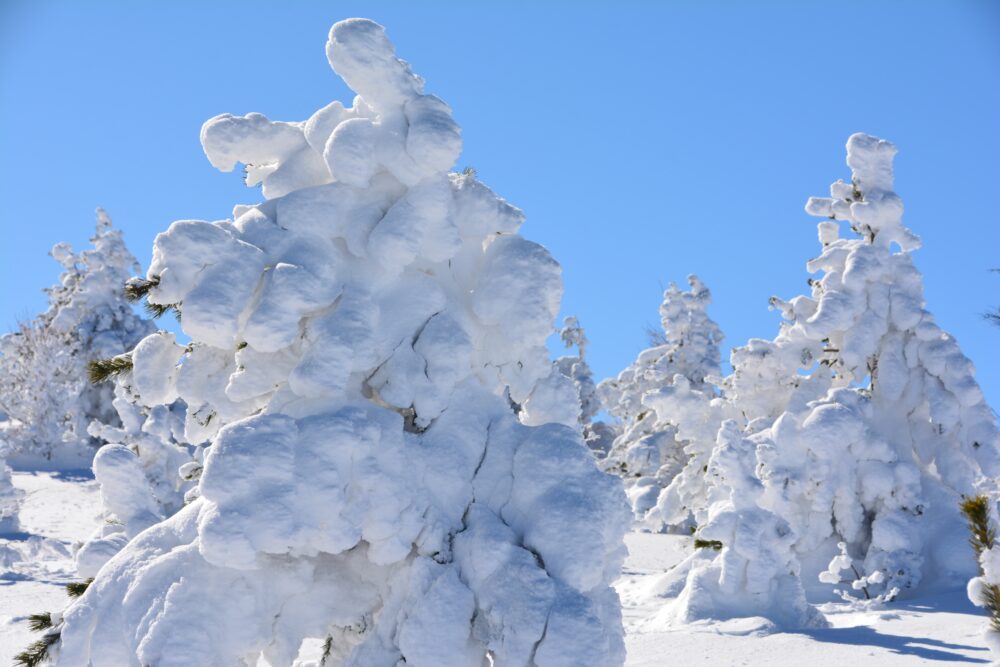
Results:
<point x="645" y="141"/>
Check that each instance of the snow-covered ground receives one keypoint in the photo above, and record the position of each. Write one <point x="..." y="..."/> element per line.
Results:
<point x="61" y="509"/>
<point x="945" y="628"/>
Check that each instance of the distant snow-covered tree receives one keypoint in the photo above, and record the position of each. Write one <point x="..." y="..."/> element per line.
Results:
<point x="598" y="435"/>
<point x="577" y="369"/>
<point x="360" y="342"/>
<point x="10" y="498"/>
<point x="866" y="418"/>
<point x="43" y="366"/>
<point x="653" y="446"/>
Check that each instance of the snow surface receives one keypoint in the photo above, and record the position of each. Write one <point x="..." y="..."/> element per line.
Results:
<point x="933" y="630"/>
<point x="58" y="511"/>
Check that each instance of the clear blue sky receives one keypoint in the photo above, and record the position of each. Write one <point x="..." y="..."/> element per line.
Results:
<point x="644" y="140"/>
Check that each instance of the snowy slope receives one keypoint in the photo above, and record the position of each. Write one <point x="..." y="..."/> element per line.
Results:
<point x="945" y="628"/>
<point x="60" y="510"/>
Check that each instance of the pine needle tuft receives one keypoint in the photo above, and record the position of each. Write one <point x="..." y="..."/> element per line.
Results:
<point x="707" y="544"/>
<point x="78" y="588"/>
<point x="977" y="512"/>
<point x="100" y="370"/>
<point x="39" y="622"/>
<point x="37" y="652"/>
<point x="136" y="289"/>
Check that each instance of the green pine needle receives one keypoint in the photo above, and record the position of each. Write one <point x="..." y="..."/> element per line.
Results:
<point x="707" y="544"/>
<point x="78" y="588"/>
<point x="39" y="622"/>
<point x="100" y="370"/>
<point x="156" y="310"/>
<point x="137" y="288"/>
<point x="977" y="512"/>
<point x="37" y="652"/>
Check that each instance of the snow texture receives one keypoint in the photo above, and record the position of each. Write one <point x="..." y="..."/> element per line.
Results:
<point x="357" y="340"/>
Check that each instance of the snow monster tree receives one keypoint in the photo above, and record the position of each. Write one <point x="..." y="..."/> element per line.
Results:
<point x="660" y="448"/>
<point x="357" y="342"/>
<point x="881" y="428"/>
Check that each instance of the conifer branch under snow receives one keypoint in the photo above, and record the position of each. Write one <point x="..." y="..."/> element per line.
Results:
<point x="100" y="370"/>
<point x="37" y="652"/>
<point x="75" y="589"/>
<point x="984" y="590"/>
<point x="39" y="622"/>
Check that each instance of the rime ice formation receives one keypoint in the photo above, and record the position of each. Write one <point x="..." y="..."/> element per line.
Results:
<point x="585" y="403"/>
<point x="357" y="341"/>
<point x="43" y="378"/>
<point x="654" y="447"/>
<point x="866" y="420"/>
<point x="757" y="571"/>
<point x="146" y="471"/>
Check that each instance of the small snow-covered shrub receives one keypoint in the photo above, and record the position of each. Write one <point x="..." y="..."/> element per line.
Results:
<point x="984" y="590"/>
<point x="43" y="366"/>
<point x="756" y="572"/>
<point x="358" y="343"/>
<point x="661" y="442"/>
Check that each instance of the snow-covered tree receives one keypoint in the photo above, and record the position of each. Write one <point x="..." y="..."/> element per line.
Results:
<point x="577" y="369"/>
<point x="654" y="446"/>
<point x="145" y="471"/>
<point x="756" y="572"/>
<point x="10" y="498"/>
<point x="598" y="435"/>
<point x="43" y="366"/>
<point x="358" y="340"/>
<point x="867" y="421"/>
